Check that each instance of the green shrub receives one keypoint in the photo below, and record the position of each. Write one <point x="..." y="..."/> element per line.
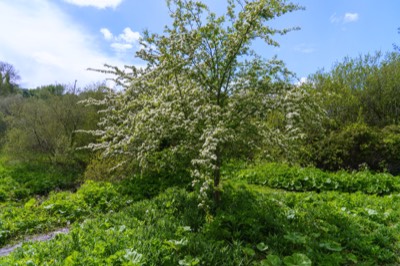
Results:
<point x="312" y="179"/>
<point x="391" y="143"/>
<point x="101" y="196"/>
<point x="358" y="145"/>
<point x="99" y="169"/>
<point x="40" y="179"/>
<point x="350" y="148"/>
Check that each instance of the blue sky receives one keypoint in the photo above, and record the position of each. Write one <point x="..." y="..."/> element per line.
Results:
<point x="55" y="41"/>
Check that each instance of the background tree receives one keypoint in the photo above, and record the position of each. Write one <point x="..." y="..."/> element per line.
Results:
<point x="363" y="88"/>
<point x="381" y="95"/>
<point x="204" y="96"/>
<point x="361" y="97"/>
<point x="43" y="126"/>
<point x="8" y="78"/>
<point x="7" y="105"/>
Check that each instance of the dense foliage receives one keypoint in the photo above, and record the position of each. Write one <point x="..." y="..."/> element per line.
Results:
<point x="311" y="179"/>
<point x="255" y="225"/>
<point x="41" y="125"/>
<point x="361" y="89"/>
<point x="361" y="99"/>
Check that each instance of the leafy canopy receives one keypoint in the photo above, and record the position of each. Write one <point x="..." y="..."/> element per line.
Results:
<point x="8" y="79"/>
<point x="204" y="95"/>
<point x="363" y="88"/>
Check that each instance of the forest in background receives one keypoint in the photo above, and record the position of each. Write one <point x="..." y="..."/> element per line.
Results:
<point x="358" y="112"/>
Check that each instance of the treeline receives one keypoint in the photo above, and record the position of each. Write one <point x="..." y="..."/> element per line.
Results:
<point x="357" y="124"/>
<point x="40" y="125"/>
<point x="361" y="99"/>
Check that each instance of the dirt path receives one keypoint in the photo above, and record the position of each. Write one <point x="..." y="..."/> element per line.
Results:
<point x="45" y="237"/>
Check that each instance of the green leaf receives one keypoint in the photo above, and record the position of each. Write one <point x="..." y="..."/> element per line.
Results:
<point x="133" y="256"/>
<point x="262" y="246"/>
<point x="30" y="263"/>
<point x="297" y="259"/>
<point x="353" y="258"/>
<point x="176" y="244"/>
<point x="296" y="238"/>
<point x="331" y="245"/>
<point x="30" y="203"/>
<point x="249" y="251"/>
<point x="371" y="212"/>
<point x="187" y="228"/>
<point x="189" y="261"/>
<point x="271" y="260"/>
<point x="48" y="207"/>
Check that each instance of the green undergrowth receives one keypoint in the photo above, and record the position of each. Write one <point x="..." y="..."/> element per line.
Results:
<point x="41" y="214"/>
<point x="156" y="221"/>
<point x="21" y="181"/>
<point x="254" y="225"/>
<point x="311" y="179"/>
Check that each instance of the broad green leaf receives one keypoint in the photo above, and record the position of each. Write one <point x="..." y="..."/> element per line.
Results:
<point x="351" y="257"/>
<point x="296" y="238"/>
<point x="271" y="260"/>
<point x="262" y="246"/>
<point x="331" y="245"/>
<point x="297" y="259"/>
<point x="249" y="251"/>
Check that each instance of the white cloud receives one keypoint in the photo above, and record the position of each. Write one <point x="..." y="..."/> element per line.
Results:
<point x="46" y="46"/>
<point x="107" y="34"/>
<point x="346" y="18"/>
<point x="96" y="3"/>
<point x="125" y="41"/>
<point x="45" y="58"/>
<point x="121" y="47"/>
<point x="129" y="36"/>
<point x="351" y="17"/>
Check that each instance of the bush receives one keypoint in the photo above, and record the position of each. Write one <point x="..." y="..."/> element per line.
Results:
<point x="101" y="196"/>
<point x="350" y="148"/>
<point x="357" y="146"/>
<point x="43" y="125"/>
<point x="99" y="169"/>
<point x="41" y="178"/>
<point x="391" y="144"/>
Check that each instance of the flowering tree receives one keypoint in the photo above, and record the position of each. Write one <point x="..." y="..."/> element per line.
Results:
<point x="205" y="94"/>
